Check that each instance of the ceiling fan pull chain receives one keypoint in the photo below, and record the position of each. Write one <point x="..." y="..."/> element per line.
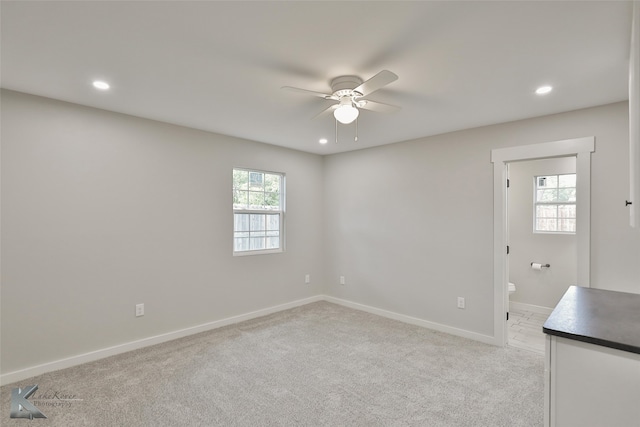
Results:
<point x="336" y="130"/>
<point x="356" y="138"/>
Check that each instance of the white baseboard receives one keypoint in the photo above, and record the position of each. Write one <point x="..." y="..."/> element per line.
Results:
<point x="23" y="374"/>
<point x="514" y="305"/>
<point x="414" y="321"/>
<point x="68" y="362"/>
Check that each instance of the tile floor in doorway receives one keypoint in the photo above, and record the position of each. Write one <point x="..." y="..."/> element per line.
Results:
<point x="525" y="330"/>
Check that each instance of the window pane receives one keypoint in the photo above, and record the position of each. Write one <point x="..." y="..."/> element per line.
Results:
<point x="256" y="200"/>
<point x="257" y="222"/>
<point x="567" y="180"/>
<point x="567" y="195"/>
<point x="566" y="211"/>
<point x="548" y="181"/>
<point x="241" y="222"/>
<point x="272" y="183"/>
<point x="257" y="243"/>
<point x="273" y="242"/>
<point x="568" y="225"/>
<point x="256" y="181"/>
<point x="547" y="195"/>
<point x="546" y="224"/>
<point x="273" y="222"/>
<point x="240" y="179"/>
<point x="272" y="201"/>
<point x="240" y="199"/>
<point x="241" y="244"/>
<point x="546" y="211"/>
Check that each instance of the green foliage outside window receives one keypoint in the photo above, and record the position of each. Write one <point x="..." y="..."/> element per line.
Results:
<point x="256" y="190"/>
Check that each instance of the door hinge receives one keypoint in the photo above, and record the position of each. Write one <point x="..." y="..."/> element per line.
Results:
<point x="507" y="316"/>
<point x="508" y="183"/>
<point x="507" y="250"/>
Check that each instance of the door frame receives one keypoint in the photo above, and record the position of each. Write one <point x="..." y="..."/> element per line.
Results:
<point x="581" y="148"/>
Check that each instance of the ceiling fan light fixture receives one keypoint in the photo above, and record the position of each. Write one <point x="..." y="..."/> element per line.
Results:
<point x="346" y="113"/>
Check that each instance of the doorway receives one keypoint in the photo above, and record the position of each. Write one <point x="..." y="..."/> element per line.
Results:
<point x="581" y="148"/>
<point x="542" y="235"/>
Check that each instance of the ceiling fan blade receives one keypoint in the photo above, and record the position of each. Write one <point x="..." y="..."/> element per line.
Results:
<point x="376" y="82"/>
<point x="325" y="111"/>
<point x="308" y="92"/>
<point x="378" y="107"/>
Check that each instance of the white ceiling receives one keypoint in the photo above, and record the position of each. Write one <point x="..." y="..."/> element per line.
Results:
<point x="219" y="66"/>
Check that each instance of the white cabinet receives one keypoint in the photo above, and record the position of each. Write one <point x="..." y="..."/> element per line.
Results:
<point x="588" y="385"/>
<point x="592" y="360"/>
<point x="634" y="117"/>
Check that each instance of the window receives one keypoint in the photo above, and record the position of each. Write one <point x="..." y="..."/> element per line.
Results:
<point x="555" y="204"/>
<point x="258" y="212"/>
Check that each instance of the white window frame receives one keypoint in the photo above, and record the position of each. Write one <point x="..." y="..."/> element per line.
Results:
<point x="280" y="212"/>
<point x="537" y="203"/>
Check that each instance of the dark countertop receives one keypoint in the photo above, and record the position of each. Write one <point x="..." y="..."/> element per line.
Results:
<point x="596" y="316"/>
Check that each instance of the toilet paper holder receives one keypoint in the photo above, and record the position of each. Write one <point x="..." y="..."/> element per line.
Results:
<point x="541" y="265"/>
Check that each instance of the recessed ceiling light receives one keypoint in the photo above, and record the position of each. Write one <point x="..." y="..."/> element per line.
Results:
<point x="543" y="90"/>
<point x="99" y="84"/>
<point x="323" y="140"/>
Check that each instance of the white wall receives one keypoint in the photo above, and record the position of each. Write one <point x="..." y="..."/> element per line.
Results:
<point x="101" y="211"/>
<point x="410" y="224"/>
<point x="544" y="287"/>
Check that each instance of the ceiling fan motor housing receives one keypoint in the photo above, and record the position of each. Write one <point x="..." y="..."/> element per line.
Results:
<point x="344" y="85"/>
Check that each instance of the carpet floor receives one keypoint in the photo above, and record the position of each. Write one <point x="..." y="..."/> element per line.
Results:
<point x="317" y="365"/>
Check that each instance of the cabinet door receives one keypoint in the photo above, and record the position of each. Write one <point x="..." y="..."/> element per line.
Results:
<point x="634" y="118"/>
<point x="592" y="385"/>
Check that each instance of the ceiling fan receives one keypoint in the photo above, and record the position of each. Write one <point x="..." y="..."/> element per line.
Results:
<point x="350" y="92"/>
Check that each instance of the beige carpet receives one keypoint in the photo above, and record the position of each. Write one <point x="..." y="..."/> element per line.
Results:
<point x="317" y="365"/>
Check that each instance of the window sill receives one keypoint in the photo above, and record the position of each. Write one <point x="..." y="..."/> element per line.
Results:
<point x="258" y="252"/>
<point x="562" y="233"/>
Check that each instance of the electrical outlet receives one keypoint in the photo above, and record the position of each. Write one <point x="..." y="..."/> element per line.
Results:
<point x="139" y="310"/>
<point x="342" y="281"/>
<point x="307" y="278"/>
<point x="460" y="302"/>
